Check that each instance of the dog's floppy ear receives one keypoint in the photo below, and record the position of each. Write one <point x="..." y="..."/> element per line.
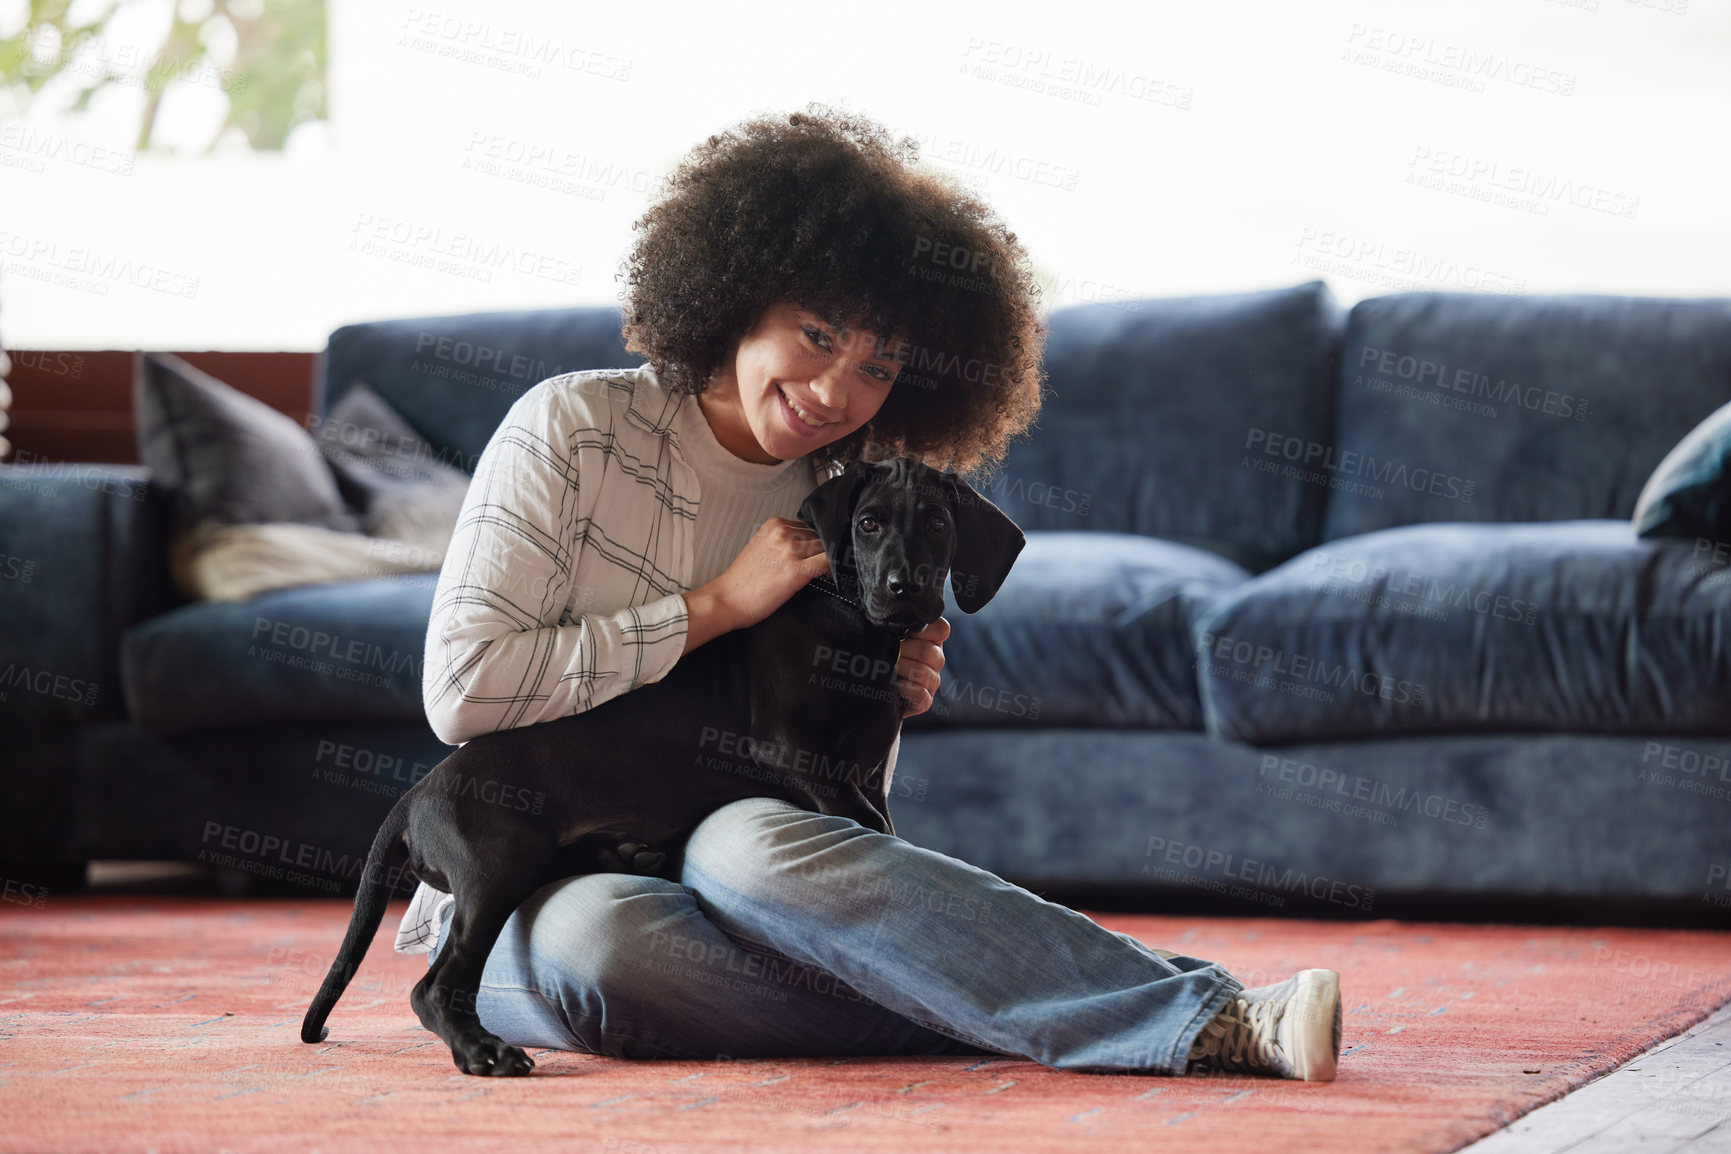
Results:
<point x="829" y="510"/>
<point x="987" y="543"/>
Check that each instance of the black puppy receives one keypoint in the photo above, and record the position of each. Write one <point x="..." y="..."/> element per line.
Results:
<point x="801" y="706"/>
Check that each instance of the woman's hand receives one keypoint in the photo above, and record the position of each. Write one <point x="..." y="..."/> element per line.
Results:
<point x="922" y="657"/>
<point x="775" y="564"/>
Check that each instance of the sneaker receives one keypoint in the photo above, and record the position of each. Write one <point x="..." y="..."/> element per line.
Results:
<point x="1288" y="1030"/>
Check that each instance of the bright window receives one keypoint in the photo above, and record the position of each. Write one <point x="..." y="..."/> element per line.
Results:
<point x="482" y="156"/>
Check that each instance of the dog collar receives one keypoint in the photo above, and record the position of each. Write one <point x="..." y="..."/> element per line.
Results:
<point x="824" y="582"/>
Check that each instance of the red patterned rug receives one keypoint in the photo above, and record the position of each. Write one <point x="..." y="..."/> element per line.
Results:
<point x="171" y="1024"/>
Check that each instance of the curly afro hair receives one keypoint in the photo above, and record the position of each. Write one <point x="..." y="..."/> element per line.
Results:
<point x="822" y="209"/>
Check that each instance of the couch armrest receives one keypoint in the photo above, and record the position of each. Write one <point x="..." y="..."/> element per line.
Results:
<point x="83" y="556"/>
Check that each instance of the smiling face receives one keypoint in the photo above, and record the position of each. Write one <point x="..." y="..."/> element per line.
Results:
<point x="797" y="382"/>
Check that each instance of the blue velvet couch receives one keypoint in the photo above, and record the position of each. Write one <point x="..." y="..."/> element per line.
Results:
<point x="1323" y="611"/>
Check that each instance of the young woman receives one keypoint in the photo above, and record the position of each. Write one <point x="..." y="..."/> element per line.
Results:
<point x="805" y="296"/>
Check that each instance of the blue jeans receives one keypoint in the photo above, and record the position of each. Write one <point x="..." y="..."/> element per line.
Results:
<point x="795" y="934"/>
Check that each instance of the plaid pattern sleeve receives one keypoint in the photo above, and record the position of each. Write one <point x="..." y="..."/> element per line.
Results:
<point x="499" y="651"/>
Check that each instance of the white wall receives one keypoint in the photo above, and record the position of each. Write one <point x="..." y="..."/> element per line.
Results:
<point x="1526" y="146"/>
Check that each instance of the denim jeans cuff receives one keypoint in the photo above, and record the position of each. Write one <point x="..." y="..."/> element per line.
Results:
<point x="1179" y="1058"/>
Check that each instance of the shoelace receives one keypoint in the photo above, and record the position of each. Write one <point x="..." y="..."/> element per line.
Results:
<point x="1243" y="1034"/>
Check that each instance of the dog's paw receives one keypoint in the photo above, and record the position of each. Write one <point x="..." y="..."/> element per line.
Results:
<point x="631" y="857"/>
<point x="639" y="858"/>
<point x="491" y="1057"/>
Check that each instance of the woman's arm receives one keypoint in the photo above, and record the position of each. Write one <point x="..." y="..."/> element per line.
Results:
<point x="496" y="655"/>
<point x="707" y="617"/>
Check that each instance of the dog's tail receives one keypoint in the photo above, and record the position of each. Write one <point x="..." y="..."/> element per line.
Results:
<point x="384" y="863"/>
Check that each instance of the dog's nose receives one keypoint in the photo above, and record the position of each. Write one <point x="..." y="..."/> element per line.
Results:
<point x="897" y="581"/>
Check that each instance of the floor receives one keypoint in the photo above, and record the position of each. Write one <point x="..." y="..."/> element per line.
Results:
<point x="1674" y="1098"/>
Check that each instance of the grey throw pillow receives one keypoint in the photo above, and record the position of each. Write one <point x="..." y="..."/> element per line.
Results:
<point x="397" y="482"/>
<point x="1689" y="494"/>
<point x="229" y="458"/>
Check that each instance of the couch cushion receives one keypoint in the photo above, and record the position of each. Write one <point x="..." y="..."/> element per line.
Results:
<point x="1088" y="629"/>
<point x="1153" y="403"/>
<point x="1571" y="625"/>
<point x="347" y="651"/>
<point x="1473" y="407"/>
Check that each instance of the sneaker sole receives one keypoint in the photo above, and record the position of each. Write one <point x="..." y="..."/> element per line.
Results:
<point x="1315" y="1012"/>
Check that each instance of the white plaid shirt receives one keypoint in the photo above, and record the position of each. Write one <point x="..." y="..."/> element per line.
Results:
<point x="581" y="501"/>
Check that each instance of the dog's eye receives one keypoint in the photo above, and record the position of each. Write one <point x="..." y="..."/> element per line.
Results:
<point x="938" y="524"/>
<point x="869" y="524"/>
